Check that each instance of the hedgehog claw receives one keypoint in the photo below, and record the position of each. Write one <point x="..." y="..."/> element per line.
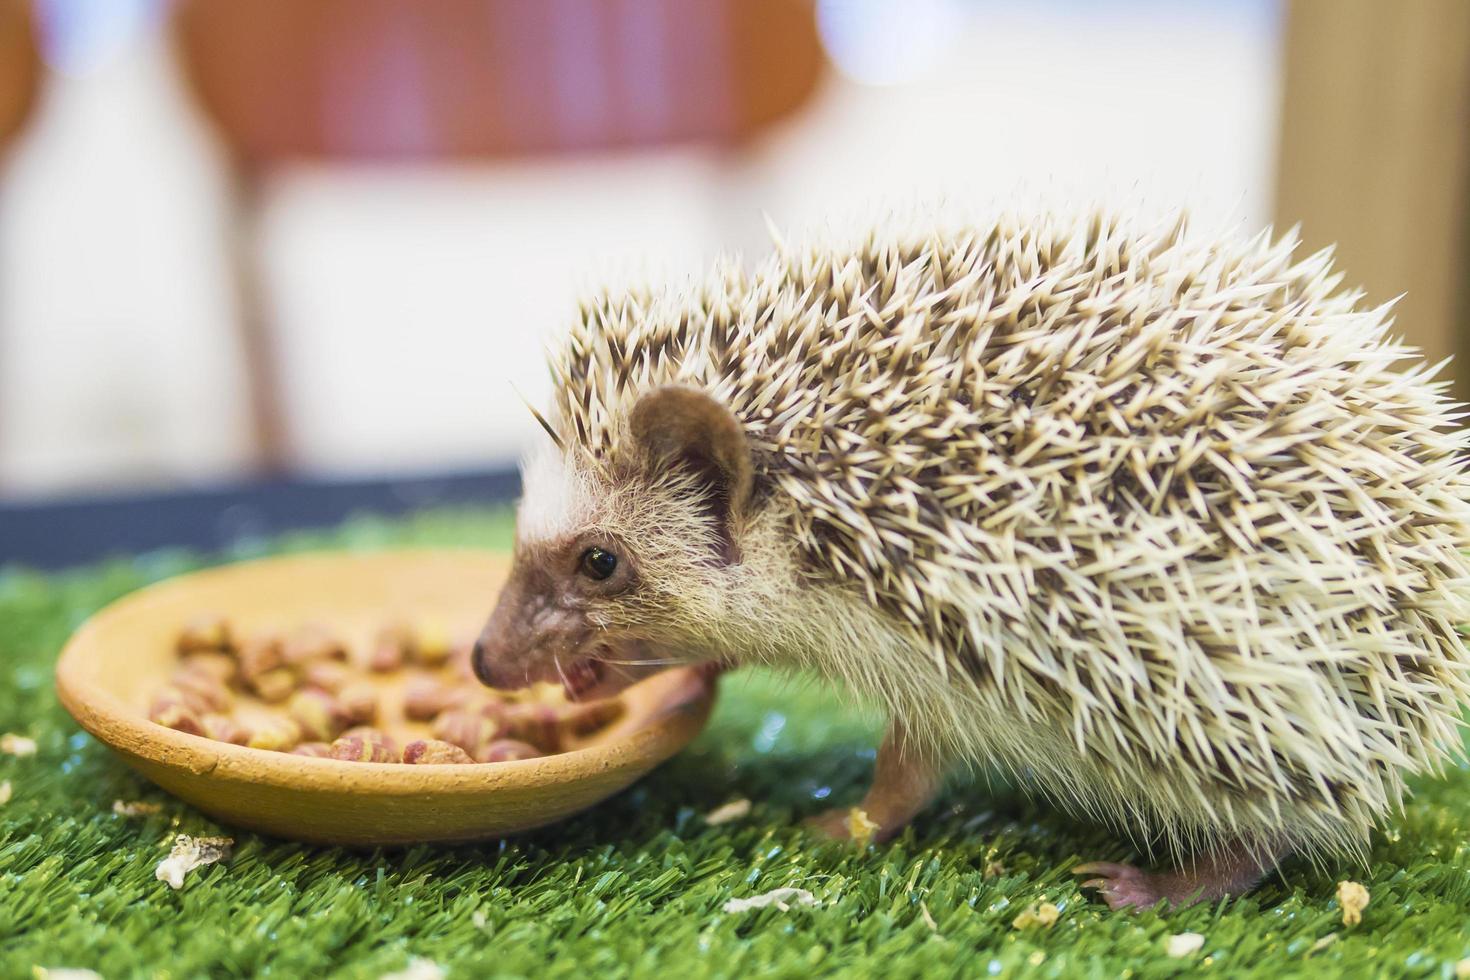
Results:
<point x="1123" y="886"/>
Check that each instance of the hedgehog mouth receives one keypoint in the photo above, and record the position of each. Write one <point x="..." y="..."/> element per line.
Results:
<point x="582" y="676"/>
<point x="608" y="670"/>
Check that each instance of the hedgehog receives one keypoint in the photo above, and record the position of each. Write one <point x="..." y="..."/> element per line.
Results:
<point x="1169" y="529"/>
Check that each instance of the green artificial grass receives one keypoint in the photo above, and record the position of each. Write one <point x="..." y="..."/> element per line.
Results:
<point x="635" y="886"/>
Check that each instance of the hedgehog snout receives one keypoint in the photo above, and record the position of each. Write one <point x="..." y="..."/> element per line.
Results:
<point x="528" y="635"/>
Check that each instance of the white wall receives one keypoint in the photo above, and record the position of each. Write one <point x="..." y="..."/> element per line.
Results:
<point x="408" y="303"/>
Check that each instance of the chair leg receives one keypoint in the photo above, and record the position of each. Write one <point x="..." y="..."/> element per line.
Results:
<point x="257" y="346"/>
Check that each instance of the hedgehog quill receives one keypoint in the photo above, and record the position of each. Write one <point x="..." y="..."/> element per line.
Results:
<point x="1172" y="530"/>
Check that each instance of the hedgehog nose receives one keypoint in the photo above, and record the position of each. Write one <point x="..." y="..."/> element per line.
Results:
<point x="480" y="661"/>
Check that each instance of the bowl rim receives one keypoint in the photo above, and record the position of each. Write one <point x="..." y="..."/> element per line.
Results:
<point x="115" y="723"/>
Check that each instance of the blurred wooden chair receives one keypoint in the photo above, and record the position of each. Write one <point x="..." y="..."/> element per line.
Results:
<point x="20" y="68"/>
<point x="470" y="80"/>
<point x="1375" y="156"/>
<point x="20" y="77"/>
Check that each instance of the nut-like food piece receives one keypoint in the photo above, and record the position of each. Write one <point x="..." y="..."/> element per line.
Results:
<point x="203" y="691"/>
<point x="508" y="750"/>
<point x="275" y="734"/>
<point x="426" y="697"/>
<point x="223" y="667"/>
<point x="431" y="646"/>
<point x="259" y="654"/>
<point x="311" y="643"/>
<point x="365" y="745"/>
<point x="538" y="724"/>
<point x="274" y="685"/>
<point x="208" y="632"/>
<point x="177" y="695"/>
<point x="223" y="728"/>
<point x="359" y="702"/>
<point x="467" y="729"/>
<point x="543" y="692"/>
<point x="319" y="750"/>
<point x="170" y="711"/>
<point x="329" y="675"/>
<point x="319" y="714"/>
<point x="389" y="649"/>
<point x="431" y="751"/>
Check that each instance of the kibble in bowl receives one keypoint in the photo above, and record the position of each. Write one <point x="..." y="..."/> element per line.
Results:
<point x="325" y="698"/>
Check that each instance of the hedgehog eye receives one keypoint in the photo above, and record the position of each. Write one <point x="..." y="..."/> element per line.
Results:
<point x="598" y="564"/>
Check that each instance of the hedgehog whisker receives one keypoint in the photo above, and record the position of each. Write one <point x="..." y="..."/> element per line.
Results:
<point x="655" y="662"/>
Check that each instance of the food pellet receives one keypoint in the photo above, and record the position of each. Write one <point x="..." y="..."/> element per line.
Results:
<point x="320" y="715"/>
<point x="365" y="745"/>
<point x="260" y="654"/>
<point x="277" y="734"/>
<point x="430" y="647"/>
<point x="538" y="724"/>
<point x="470" y="731"/>
<point x="359" y="702"/>
<point x="223" y="728"/>
<point x="425" y="697"/>
<point x="205" y="692"/>
<point x="274" y="685"/>
<point x="329" y="675"/>
<point x="207" y="632"/>
<point x="389" y="650"/>
<point x="172" y="712"/>
<point x="211" y="663"/>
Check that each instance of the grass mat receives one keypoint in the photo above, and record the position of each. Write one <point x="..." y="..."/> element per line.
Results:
<point x="635" y="887"/>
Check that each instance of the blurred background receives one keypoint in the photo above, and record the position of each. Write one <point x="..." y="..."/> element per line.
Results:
<point x="321" y="243"/>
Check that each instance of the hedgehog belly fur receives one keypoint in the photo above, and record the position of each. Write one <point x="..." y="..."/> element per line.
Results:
<point x="1173" y="530"/>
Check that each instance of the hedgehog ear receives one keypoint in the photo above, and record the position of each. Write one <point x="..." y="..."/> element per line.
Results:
<point x="686" y="427"/>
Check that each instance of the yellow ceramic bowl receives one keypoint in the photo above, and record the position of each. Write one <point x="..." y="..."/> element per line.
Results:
<point x="111" y="667"/>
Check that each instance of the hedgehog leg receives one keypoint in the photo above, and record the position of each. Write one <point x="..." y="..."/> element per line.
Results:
<point x="905" y="781"/>
<point x="1229" y="871"/>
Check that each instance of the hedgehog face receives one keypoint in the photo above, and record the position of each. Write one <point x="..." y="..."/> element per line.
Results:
<point x="621" y="558"/>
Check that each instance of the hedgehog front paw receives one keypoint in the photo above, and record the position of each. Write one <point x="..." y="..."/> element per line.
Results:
<point x="829" y="823"/>
<point x="1123" y="886"/>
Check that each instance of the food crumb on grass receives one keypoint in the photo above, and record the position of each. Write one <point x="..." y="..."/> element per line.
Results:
<point x="861" y="827"/>
<point x="734" y="810"/>
<point x="189" y="853"/>
<point x="1462" y="969"/>
<point x="781" y="898"/>
<point x="6" y="791"/>
<point x="135" y="808"/>
<point x="63" y="973"/>
<point x="19" y="746"/>
<point x="1184" y="944"/>
<point x="418" y="969"/>
<point x="1353" y="898"/>
<point x="1042" y="916"/>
